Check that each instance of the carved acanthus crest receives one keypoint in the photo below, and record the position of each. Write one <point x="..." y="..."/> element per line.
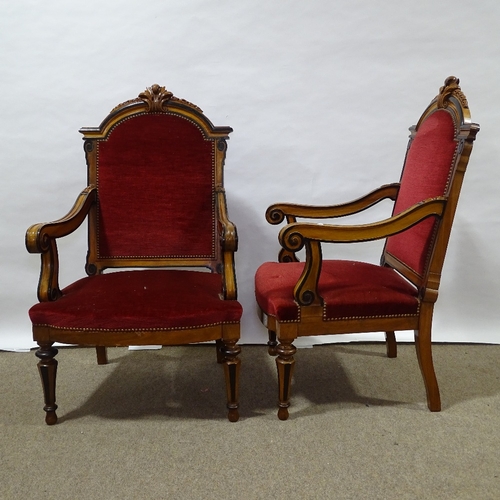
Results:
<point x="155" y="96"/>
<point x="451" y="88"/>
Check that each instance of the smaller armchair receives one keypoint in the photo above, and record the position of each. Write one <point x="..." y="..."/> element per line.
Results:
<point x="323" y="296"/>
<point x="157" y="222"/>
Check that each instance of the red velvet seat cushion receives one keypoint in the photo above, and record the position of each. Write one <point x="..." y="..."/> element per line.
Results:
<point x="139" y="300"/>
<point x="350" y="289"/>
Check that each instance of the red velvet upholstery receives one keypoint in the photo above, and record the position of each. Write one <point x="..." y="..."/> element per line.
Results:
<point x="139" y="300"/>
<point x="350" y="289"/>
<point x="356" y="289"/>
<point x="155" y="202"/>
<point x="155" y="178"/>
<point x="330" y="297"/>
<point x="426" y="175"/>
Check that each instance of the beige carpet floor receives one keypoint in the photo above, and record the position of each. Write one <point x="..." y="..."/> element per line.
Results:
<point x="151" y="425"/>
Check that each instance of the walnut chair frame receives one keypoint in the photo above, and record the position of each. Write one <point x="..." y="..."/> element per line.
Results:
<point x="305" y="290"/>
<point x="163" y="109"/>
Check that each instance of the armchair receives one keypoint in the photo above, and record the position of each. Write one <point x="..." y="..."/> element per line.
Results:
<point x="323" y="296"/>
<point x="157" y="217"/>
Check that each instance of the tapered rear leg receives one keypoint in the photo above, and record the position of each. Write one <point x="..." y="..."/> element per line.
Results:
<point x="232" y="365"/>
<point x="424" y="354"/>
<point x="285" y="363"/>
<point x="47" y="367"/>
<point x="391" y="345"/>
<point x="102" y="355"/>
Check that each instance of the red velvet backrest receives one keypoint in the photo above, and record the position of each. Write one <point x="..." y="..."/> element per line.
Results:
<point x="155" y="180"/>
<point x="427" y="173"/>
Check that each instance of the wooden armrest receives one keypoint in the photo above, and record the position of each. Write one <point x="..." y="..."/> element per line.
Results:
<point x="41" y="238"/>
<point x="229" y="245"/>
<point x="37" y="235"/>
<point x="293" y="236"/>
<point x="296" y="236"/>
<point x="276" y="213"/>
<point x="229" y="236"/>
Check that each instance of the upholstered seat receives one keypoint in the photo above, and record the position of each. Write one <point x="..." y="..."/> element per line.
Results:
<point x="139" y="301"/>
<point x="349" y="290"/>
<point x="322" y="296"/>
<point x="160" y="260"/>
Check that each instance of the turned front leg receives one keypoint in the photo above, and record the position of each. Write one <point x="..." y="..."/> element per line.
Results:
<point x="232" y="366"/>
<point x="47" y="367"/>
<point x="285" y="364"/>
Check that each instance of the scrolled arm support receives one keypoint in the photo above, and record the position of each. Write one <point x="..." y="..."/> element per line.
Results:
<point x="296" y="236"/>
<point x="38" y="235"/>
<point x="286" y="256"/>
<point x="41" y="238"/>
<point x="229" y="245"/>
<point x="293" y="235"/>
<point x="277" y="213"/>
<point x="306" y="290"/>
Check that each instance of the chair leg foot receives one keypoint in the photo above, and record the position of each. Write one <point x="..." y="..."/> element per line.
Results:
<point x="424" y="355"/>
<point x="47" y="368"/>
<point x="285" y="363"/>
<point x="232" y="365"/>
<point x="233" y="415"/>
<point x="50" y="417"/>
<point x="283" y="413"/>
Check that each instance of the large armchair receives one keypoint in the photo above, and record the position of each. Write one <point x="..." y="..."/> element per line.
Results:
<point x="157" y="217"/>
<point x="323" y="296"/>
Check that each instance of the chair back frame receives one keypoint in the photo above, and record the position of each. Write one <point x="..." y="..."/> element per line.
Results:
<point x="157" y="100"/>
<point x="452" y="100"/>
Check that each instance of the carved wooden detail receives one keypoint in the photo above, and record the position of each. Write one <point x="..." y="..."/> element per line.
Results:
<point x="125" y="103"/>
<point x="232" y="365"/>
<point x="47" y="368"/>
<point x="298" y="234"/>
<point x="42" y="238"/>
<point x="155" y="96"/>
<point x="451" y="88"/>
<point x="285" y="364"/>
<point x="187" y="103"/>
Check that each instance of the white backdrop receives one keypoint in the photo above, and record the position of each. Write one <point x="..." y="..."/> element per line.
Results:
<point x="320" y="95"/>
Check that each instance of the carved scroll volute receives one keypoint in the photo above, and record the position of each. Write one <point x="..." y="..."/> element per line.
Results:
<point x="451" y="88"/>
<point x="155" y="96"/>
